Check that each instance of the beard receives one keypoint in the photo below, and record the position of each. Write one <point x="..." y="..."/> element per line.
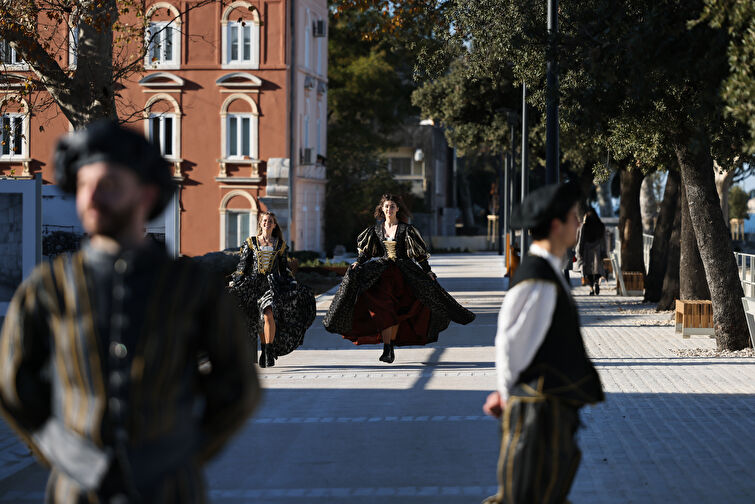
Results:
<point x="108" y="221"/>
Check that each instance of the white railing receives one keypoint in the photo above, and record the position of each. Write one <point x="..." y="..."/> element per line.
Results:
<point x="746" y="267"/>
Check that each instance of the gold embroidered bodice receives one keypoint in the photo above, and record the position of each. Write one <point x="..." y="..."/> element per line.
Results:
<point x="390" y="248"/>
<point x="265" y="257"/>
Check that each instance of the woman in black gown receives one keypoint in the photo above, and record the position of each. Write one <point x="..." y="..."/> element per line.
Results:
<point x="390" y="294"/>
<point x="277" y="307"/>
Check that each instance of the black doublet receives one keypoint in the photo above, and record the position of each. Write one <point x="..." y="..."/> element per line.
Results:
<point x="561" y="361"/>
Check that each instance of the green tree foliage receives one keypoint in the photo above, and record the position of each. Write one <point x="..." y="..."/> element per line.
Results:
<point x="369" y="89"/>
<point x="737" y="17"/>
<point x="738" y="200"/>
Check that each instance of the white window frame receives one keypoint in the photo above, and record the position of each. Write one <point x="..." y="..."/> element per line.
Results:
<point x="307" y="45"/>
<point x="420" y="165"/>
<point x="73" y="47"/>
<point x="12" y="156"/>
<point x="231" y="116"/>
<point x="156" y="34"/>
<point x="15" y="62"/>
<point x="174" y="130"/>
<point x="241" y="233"/>
<point x="253" y="62"/>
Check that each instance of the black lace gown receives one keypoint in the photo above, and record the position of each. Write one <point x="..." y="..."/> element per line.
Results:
<point x="383" y="290"/>
<point x="258" y="287"/>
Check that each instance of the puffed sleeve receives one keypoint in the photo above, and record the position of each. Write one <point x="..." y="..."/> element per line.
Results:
<point x="367" y="245"/>
<point x="283" y="268"/>
<point x="416" y="248"/>
<point x="25" y="389"/>
<point x="247" y="255"/>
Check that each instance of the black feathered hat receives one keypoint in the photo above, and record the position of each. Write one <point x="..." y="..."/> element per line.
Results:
<point x="107" y="141"/>
<point x="543" y="205"/>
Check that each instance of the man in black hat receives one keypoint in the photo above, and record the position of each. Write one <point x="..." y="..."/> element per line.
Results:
<point x="544" y="374"/>
<point x="99" y="351"/>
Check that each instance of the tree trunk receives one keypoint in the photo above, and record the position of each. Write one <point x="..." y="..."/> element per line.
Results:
<point x="661" y="239"/>
<point x="630" y="220"/>
<point x="713" y="240"/>
<point x="605" y="205"/>
<point x="648" y="205"/>
<point x="465" y="195"/>
<point x="724" y="180"/>
<point x="670" y="289"/>
<point x="692" y="281"/>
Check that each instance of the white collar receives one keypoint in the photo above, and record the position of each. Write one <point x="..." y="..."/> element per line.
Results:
<point x="557" y="263"/>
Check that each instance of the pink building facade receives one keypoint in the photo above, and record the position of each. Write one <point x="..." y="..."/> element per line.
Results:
<point x="220" y="94"/>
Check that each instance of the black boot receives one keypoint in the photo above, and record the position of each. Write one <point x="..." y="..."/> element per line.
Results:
<point x="391" y="355"/>
<point x="597" y="287"/>
<point x="263" y="355"/>
<point x="270" y="355"/>
<point x="386" y="353"/>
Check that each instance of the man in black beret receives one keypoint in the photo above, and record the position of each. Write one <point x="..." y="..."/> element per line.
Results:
<point x="99" y="350"/>
<point x="544" y="374"/>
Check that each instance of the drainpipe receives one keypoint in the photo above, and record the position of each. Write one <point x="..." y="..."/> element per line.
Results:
<point x="292" y="121"/>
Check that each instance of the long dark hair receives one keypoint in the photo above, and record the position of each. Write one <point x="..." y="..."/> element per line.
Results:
<point x="593" y="229"/>
<point x="276" y="230"/>
<point x="403" y="213"/>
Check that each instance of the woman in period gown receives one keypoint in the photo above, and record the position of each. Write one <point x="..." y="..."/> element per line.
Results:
<point x="278" y="308"/>
<point x="591" y="250"/>
<point x="389" y="294"/>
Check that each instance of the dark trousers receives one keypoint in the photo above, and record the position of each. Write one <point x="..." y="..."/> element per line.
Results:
<point x="539" y="454"/>
<point x="592" y="280"/>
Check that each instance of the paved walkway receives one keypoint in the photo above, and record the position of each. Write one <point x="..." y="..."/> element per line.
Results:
<point x="336" y="425"/>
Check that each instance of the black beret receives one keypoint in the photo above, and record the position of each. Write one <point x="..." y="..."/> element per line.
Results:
<point x="107" y="141"/>
<point x="543" y="205"/>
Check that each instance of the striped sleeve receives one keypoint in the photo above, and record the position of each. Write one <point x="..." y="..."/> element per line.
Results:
<point x="25" y="389"/>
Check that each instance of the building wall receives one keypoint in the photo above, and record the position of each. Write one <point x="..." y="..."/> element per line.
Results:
<point x="199" y="88"/>
<point x="311" y="63"/>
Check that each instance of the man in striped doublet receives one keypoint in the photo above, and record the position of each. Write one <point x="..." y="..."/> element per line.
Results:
<point x="100" y="350"/>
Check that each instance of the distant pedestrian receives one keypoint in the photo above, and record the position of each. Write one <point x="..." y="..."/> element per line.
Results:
<point x="544" y="374"/>
<point x="278" y="308"/>
<point x="389" y="294"/>
<point x="591" y="250"/>
<point x="100" y="350"/>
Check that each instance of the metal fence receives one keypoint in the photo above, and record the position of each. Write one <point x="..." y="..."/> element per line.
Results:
<point x="746" y="267"/>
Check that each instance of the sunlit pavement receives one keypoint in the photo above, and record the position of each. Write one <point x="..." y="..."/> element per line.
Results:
<point x="336" y="425"/>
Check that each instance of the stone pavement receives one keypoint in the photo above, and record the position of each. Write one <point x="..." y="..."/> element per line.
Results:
<point x="337" y="426"/>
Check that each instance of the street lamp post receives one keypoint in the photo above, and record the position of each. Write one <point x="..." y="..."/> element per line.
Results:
<point x="551" y="99"/>
<point x="525" y="167"/>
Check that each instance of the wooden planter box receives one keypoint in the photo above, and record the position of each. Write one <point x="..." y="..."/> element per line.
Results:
<point x="634" y="282"/>
<point x="694" y="317"/>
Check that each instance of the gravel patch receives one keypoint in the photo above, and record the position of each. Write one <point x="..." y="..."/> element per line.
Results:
<point x="712" y="352"/>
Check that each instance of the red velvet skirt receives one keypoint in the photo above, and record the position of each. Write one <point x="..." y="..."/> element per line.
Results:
<point x="390" y="301"/>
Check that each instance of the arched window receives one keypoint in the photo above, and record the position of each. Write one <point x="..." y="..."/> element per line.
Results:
<point x="239" y="128"/>
<point x="241" y="36"/>
<point x="163" y="125"/>
<point x="163" y="37"/>
<point x="238" y="219"/>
